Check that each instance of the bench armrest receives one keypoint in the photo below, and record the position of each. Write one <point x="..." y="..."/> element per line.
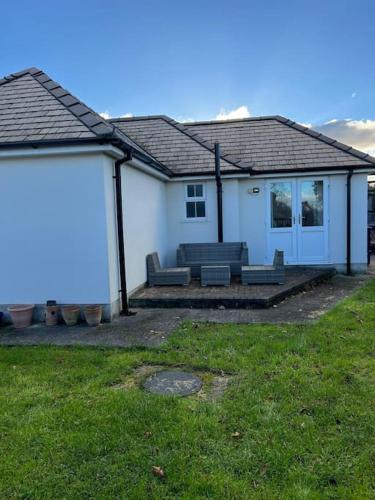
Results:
<point x="244" y="254"/>
<point x="180" y="257"/>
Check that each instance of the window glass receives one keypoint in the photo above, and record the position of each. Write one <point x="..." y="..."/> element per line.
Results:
<point x="190" y="191"/>
<point x="190" y="209"/>
<point x="199" y="190"/>
<point x="201" y="209"/>
<point x="281" y="204"/>
<point x="312" y="203"/>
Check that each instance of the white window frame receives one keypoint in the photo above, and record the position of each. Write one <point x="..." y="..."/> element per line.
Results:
<point x="195" y="199"/>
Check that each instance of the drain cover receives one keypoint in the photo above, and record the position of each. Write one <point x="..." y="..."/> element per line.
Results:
<point x="173" y="382"/>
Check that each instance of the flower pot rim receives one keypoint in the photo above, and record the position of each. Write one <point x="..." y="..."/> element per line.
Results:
<point x="21" y="307"/>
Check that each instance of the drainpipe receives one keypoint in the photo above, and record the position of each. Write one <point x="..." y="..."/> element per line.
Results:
<point x="120" y="235"/>
<point x="349" y="222"/>
<point x="219" y="190"/>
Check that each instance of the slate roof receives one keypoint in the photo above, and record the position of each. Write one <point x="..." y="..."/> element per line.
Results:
<point x="275" y="143"/>
<point x="176" y="146"/>
<point x="36" y="110"/>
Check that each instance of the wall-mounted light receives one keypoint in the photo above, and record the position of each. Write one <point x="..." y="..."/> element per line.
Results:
<point x="254" y="190"/>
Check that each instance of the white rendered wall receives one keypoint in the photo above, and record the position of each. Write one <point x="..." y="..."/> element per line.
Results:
<point x="244" y="214"/>
<point x="53" y="230"/>
<point x="111" y="226"/>
<point x="359" y="219"/>
<point x="252" y="219"/>
<point x="243" y="217"/>
<point x="182" y="230"/>
<point x="145" y="222"/>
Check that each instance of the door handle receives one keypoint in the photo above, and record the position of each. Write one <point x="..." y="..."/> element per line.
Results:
<point x="294" y="220"/>
<point x="299" y="218"/>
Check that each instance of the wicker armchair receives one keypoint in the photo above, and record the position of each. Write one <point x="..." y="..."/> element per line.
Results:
<point x="156" y="275"/>
<point x="275" y="274"/>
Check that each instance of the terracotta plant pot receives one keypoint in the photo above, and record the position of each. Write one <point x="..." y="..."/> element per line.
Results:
<point x="70" y="314"/>
<point x="21" y="315"/>
<point x="52" y="315"/>
<point x="93" y="315"/>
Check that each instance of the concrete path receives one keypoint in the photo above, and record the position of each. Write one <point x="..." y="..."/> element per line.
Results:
<point x="151" y="327"/>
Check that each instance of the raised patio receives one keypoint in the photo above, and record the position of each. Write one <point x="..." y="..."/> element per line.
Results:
<point x="236" y="296"/>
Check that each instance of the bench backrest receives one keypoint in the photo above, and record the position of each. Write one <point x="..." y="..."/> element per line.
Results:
<point x="278" y="259"/>
<point x="198" y="252"/>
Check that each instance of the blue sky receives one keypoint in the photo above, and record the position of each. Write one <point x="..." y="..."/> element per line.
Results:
<point x="310" y="61"/>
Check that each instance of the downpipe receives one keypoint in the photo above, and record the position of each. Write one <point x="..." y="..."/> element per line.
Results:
<point x="219" y="190"/>
<point x="120" y="236"/>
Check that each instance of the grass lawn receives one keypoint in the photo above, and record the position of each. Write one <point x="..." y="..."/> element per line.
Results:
<point x="297" y="420"/>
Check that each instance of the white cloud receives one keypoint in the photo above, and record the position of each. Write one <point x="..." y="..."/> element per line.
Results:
<point x="308" y="125"/>
<point x="106" y="115"/>
<point x="182" y="119"/>
<point x="240" y="112"/>
<point x="357" y="133"/>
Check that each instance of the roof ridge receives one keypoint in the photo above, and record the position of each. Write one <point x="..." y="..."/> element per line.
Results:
<point x="87" y="116"/>
<point x="18" y="74"/>
<point x="232" y="120"/>
<point x="90" y="119"/>
<point x="297" y="126"/>
<point x="237" y="162"/>
<point x="135" y="118"/>
<point x="327" y="140"/>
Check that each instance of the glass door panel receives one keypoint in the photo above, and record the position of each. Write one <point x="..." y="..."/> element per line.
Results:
<point x="312" y="233"/>
<point x="312" y="203"/>
<point x="281" y="204"/>
<point x="281" y="219"/>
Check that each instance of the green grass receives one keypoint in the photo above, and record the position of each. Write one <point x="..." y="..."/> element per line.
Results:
<point x="301" y="397"/>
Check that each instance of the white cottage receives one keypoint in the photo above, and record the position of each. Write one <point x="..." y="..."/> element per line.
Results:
<point x="83" y="200"/>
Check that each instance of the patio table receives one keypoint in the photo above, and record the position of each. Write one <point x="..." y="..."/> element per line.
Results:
<point x="215" y="275"/>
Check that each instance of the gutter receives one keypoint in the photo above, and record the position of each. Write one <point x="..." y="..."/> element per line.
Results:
<point x="349" y="222"/>
<point x="120" y="235"/>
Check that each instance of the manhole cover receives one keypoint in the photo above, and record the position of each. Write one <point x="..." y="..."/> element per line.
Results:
<point x="173" y="382"/>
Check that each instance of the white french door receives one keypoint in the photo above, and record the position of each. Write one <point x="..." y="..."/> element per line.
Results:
<point x="297" y="219"/>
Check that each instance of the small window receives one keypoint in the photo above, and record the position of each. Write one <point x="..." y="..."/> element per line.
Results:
<point x="195" y="201"/>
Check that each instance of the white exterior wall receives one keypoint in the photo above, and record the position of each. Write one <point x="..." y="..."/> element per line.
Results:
<point x="253" y="219"/>
<point x="359" y="214"/>
<point x="59" y="234"/>
<point x="244" y="218"/>
<point x="145" y="222"/>
<point x="183" y="230"/>
<point x="112" y="241"/>
<point x="53" y="222"/>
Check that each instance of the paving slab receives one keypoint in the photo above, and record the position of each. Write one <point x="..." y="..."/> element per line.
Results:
<point x="151" y="327"/>
<point x="235" y="296"/>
